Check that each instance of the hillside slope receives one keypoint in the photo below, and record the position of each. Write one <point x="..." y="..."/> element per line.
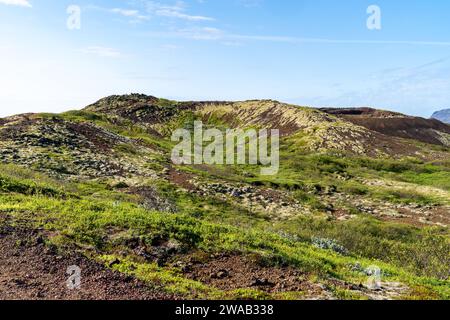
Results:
<point x="350" y="194"/>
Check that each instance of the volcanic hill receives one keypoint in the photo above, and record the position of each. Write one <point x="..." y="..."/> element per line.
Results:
<point x="356" y="188"/>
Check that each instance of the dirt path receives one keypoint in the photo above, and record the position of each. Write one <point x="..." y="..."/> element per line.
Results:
<point x="29" y="270"/>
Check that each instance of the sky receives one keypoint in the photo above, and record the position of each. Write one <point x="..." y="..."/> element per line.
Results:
<point x="63" y="55"/>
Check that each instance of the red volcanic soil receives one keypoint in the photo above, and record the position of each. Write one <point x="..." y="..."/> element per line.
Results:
<point x="394" y="124"/>
<point x="29" y="270"/>
<point x="228" y="272"/>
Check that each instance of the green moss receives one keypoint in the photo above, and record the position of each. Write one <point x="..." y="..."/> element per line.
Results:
<point x="96" y="215"/>
<point x="28" y="188"/>
<point x="169" y="281"/>
<point x="87" y="222"/>
<point x="127" y="149"/>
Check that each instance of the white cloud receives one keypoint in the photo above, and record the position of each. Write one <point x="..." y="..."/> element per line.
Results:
<point x="130" y="13"/>
<point x="194" y="33"/>
<point x="181" y="15"/>
<point x="125" y="12"/>
<point x="21" y="3"/>
<point x="178" y="10"/>
<point x="133" y="14"/>
<point x="102" y="52"/>
<point x="208" y="33"/>
<point x="414" y="90"/>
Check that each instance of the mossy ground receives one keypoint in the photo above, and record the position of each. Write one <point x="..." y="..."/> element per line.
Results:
<point x="415" y="257"/>
<point x="95" y="217"/>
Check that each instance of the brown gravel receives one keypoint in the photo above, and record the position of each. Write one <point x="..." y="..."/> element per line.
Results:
<point x="181" y="179"/>
<point x="230" y="272"/>
<point x="29" y="270"/>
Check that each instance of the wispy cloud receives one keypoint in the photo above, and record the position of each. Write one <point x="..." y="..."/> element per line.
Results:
<point x="103" y="52"/>
<point x="178" y="10"/>
<point x="129" y="13"/>
<point x="210" y="33"/>
<point x="427" y="85"/>
<point x="204" y="33"/>
<point x="133" y="14"/>
<point x="21" y="3"/>
<point x="299" y="40"/>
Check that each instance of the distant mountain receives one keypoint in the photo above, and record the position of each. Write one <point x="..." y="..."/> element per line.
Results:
<point x="443" y="115"/>
<point x="394" y="124"/>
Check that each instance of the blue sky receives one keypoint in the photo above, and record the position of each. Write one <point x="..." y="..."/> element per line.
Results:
<point x="307" y="52"/>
